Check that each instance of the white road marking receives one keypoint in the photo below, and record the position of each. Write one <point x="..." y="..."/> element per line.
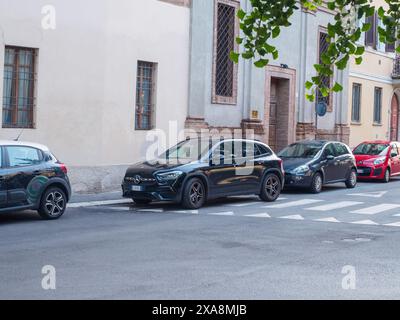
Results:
<point x="331" y="219"/>
<point x="294" y="217"/>
<point x="259" y="215"/>
<point x="297" y="203"/>
<point x="239" y="205"/>
<point x="378" y="194"/>
<point x="228" y="213"/>
<point x="281" y="199"/>
<point x="119" y="208"/>
<point x="151" y="210"/>
<point x="396" y="224"/>
<point x="336" y="205"/>
<point x="365" y="222"/>
<point x="98" y="203"/>
<point x="186" y="211"/>
<point x="377" y="209"/>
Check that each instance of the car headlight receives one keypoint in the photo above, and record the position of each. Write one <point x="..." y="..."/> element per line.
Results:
<point x="379" y="161"/>
<point x="168" y="176"/>
<point x="301" y="169"/>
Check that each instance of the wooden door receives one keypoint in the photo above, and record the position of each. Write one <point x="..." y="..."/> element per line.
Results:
<point x="273" y="115"/>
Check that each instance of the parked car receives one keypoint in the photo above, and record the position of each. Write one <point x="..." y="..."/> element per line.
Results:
<point x="312" y="164"/>
<point x="198" y="170"/>
<point x="32" y="178"/>
<point x="378" y="160"/>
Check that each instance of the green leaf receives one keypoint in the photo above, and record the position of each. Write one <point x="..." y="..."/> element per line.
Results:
<point x="337" y="87"/>
<point x="310" y="97"/>
<point x="239" y="40"/>
<point x="360" y="51"/>
<point x="241" y="14"/>
<point x="359" y="60"/>
<point x="309" y="85"/>
<point x="275" y="54"/>
<point x="248" y="55"/>
<point x="276" y="32"/>
<point x="234" y="57"/>
<point x="366" y="27"/>
<point x="261" y="63"/>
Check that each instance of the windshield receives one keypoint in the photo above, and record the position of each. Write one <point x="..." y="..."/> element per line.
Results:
<point x="187" y="151"/>
<point x="372" y="149"/>
<point x="300" y="150"/>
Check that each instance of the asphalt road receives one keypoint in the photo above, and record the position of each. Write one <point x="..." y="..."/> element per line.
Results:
<point x="236" y="248"/>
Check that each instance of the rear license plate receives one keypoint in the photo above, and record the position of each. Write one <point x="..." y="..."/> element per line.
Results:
<point x="360" y="171"/>
<point x="137" y="188"/>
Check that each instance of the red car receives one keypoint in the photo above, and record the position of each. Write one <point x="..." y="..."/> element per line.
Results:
<point x="378" y="160"/>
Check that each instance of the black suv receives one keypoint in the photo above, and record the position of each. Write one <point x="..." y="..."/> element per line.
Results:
<point x="32" y="178"/>
<point x="312" y="164"/>
<point x="197" y="170"/>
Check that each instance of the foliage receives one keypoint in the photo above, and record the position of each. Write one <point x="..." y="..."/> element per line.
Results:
<point x="266" y="18"/>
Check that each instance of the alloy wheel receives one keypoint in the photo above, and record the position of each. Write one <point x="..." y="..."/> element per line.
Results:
<point x="272" y="186"/>
<point x="196" y="193"/>
<point x="353" y="178"/>
<point x="55" y="203"/>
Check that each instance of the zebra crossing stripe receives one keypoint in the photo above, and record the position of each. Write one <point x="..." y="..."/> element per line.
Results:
<point x="336" y="205"/>
<point x="151" y="210"/>
<point x="396" y="224"/>
<point x="366" y="222"/>
<point x="239" y="205"/>
<point x="297" y="203"/>
<point x="228" y="213"/>
<point x="294" y="217"/>
<point x="259" y="215"/>
<point x="377" y="209"/>
<point x="331" y="219"/>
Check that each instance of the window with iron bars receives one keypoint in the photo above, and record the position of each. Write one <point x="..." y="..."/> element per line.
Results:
<point x="145" y="95"/>
<point x="326" y="80"/>
<point x="225" y="71"/>
<point x="19" y="87"/>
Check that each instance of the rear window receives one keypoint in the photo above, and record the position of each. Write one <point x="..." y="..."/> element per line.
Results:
<point x="372" y="149"/>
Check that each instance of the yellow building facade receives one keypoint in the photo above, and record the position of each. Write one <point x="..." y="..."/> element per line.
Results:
<point x="373" y="94"/>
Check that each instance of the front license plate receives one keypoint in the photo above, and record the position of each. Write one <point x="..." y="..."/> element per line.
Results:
<point x="360" y="171"/>
<point x="137" y="188"/>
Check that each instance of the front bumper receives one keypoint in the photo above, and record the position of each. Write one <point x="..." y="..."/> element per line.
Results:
<point x="297" y="181"/>
<point x="371" y="172"/>
<point x="152" y="192"/>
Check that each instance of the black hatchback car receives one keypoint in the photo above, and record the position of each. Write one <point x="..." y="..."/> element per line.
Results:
<point x="32" y="178"/>
<point x="198" y="170"/>
<point x="312" y="164"/>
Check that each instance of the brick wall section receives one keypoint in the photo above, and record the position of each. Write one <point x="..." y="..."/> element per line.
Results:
<point x="183" y="3"/>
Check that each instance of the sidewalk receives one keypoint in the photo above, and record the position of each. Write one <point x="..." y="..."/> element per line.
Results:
<point x="97" y="197"/>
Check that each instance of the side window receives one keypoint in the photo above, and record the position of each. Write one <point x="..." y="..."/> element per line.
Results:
<point x="223" y="153"/>
<point x="341" y="149"/>
<point x="23" y="156"/>
<point x="250" y="150"/>
<point x="263" y="151"/>
<point x="329" y="150"/>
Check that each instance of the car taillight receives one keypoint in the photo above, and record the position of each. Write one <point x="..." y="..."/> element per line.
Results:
<point x="63" y="167"/>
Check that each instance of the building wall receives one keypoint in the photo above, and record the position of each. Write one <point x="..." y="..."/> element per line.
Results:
<point x="86" y="78"/>
<point x="298" y="50"/>
<point x="375" y="71"/>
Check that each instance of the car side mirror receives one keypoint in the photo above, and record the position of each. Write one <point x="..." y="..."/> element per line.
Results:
<point x="330" y="158"/>
<point x="393" y="155"/>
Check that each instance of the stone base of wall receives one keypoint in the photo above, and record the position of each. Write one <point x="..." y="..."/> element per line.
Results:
<point x="306" y="131"/>
<point x="340" y="133"/>
<point x="96" y="179"/>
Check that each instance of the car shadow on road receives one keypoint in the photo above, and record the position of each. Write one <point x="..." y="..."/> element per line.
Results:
<point x="19" y="217"/>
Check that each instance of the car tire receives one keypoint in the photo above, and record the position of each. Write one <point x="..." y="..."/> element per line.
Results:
<point x="271" y="188"/>
<point x="351" y="181"/>
<point x="141" y="202"/>
<point x="52" y="204"/>
<point x="386" y="178"/>
<point x="316" y="183"/>
<point x="194" y="194"/>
